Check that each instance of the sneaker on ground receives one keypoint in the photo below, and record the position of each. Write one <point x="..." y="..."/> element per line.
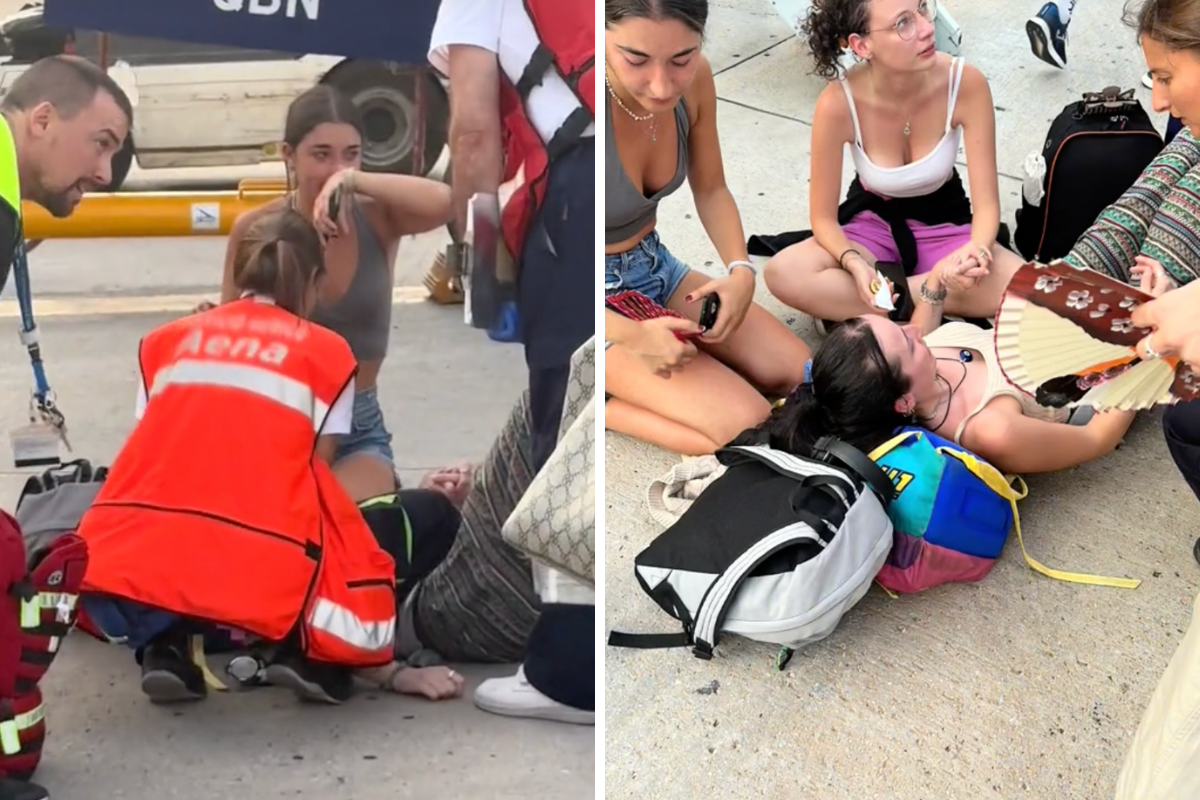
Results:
<point x="1048" y="35"/>
<point x="317" y="683"/>
<point x="21" y="790"/>
<point x="1147" y="80"/>
<point x="168" y="676"/>
<point x="514" y="696"/>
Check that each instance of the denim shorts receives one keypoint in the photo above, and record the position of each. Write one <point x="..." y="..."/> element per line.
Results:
<point x="648" y="268"/>
<point x="368" y="433"/>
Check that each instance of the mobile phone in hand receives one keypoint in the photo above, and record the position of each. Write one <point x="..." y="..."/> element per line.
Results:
<point x="709" y="311"/>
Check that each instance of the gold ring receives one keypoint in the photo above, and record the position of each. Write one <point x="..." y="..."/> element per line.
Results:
<point x="875" y="287"/>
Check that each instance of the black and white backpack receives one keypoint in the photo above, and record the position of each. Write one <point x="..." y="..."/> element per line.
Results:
<point x="1096" y="148"/>
<point x="776" y="549"/>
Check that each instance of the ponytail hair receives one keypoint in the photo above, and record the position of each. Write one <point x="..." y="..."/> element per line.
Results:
<point x="852" y="396"/>
<point x="280" y="257"/>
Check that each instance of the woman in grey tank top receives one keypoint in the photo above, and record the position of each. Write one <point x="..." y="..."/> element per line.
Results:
<point x="660" y="114"/>
<point x="322" y="147"/>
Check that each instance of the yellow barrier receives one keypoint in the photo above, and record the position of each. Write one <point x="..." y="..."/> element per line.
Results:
<point x="138" y="214"/>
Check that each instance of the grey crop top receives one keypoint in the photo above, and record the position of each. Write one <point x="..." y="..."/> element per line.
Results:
<point x="363" y="315"/>
<point x="626" y="210"/>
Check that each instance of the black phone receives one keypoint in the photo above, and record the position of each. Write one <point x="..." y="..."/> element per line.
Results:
<point x="709" y="311"/>
<point x="335" y="204"/>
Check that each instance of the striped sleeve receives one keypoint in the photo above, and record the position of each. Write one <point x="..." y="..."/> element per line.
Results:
<point x="1121" y="231"/>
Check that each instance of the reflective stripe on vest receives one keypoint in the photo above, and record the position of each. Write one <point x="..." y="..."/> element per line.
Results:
<point x="31" y="610"/>
<point x="10" y="179"/>
<point x="341" y="623"/>
<point x="10" y="729"/>
<point x="261" y="381"/>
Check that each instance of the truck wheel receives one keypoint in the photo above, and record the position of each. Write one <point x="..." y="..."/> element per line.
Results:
<point x="121" y="162"/>
<point x="385" y="96"/>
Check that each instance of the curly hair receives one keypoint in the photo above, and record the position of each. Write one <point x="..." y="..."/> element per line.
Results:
<point x="827" y="28"/>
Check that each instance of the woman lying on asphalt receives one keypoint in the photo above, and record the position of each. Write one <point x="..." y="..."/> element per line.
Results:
<point x="322" y="148"/>
<point x="229" y="468"/>
<point x="903" y="111"/>
<point x="871" y="376"/>
<point x="690" y="397"/>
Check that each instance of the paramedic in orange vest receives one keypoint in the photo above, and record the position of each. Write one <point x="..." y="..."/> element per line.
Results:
<point x="222" y="508"/>
<point x="522" y="105"/>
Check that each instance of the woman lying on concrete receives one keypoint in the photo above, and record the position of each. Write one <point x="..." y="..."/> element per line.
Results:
<point x="690" y="397"/>
<point x="871" y="376"/>
<point x="903" y="111"/>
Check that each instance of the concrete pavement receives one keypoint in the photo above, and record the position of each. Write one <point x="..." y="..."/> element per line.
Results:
<point x="446" y="391"/>
<point x="1015" y="687"/>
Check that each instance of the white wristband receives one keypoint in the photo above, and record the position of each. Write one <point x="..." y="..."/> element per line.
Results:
<point x="745" y="264"/>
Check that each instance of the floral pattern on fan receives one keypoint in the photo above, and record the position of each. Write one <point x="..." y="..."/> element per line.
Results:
<point x="1071" y="292"/>
<point x="1101" y="306"/>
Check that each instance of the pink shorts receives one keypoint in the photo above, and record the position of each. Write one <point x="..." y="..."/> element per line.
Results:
<point x="934" y="242"/>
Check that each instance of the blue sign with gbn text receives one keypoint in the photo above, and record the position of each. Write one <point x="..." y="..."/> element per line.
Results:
<point x="389" y="30"/>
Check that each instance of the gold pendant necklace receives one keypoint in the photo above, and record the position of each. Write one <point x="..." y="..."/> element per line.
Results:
<point x="653" y="127"/>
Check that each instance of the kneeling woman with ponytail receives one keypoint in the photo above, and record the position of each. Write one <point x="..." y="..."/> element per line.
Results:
<point x="222" y="509"/>
<point x="871" y="376"/>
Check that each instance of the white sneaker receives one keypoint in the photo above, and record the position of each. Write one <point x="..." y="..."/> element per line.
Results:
<point x="1147" y="80"/>
<point x="515" y="697"/>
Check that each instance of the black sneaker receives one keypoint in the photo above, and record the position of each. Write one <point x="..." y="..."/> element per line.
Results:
<point x="168" y="676"/>
<point x="1196" y="551"/>
<point x="20" y="790"/>
<point x="318" y="683"/>
<point x="1048" y="35"/>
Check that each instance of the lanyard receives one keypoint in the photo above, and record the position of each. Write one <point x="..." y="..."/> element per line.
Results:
<point x="43" y="397"/>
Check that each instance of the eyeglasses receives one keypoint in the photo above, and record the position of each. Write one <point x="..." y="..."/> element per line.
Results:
<point x="906" y="26"/>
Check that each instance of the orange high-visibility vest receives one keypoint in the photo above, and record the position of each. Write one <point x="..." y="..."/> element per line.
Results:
<point x="219" y="509"/>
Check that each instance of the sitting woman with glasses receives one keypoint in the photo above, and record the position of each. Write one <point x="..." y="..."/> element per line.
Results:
<point x="903" y="110"/>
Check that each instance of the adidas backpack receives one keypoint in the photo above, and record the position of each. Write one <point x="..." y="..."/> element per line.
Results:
<point x="1096" y="148"/>
<point x="776" y="549"/>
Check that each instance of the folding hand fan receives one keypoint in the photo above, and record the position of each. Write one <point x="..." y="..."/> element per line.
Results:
<point x="1064" y="336"/>
<point x="641" y="308"/>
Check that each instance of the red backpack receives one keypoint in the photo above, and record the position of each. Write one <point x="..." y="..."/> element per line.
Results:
<point x="39" y="601"/>
<point x="566" y="31"/>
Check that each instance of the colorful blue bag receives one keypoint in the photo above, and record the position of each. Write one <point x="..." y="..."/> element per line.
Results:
<point x="951" y="516"/>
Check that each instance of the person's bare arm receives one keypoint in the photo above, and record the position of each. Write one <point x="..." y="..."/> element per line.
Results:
<point x="978" y="116"/>
<point x="715" y="206"/>
<point x="928" y="316"/>
<point x="476" y="149"/>
<point x="1015" y="443"/>
<point x="410" y="204"/>
<point x="832" y="128"/>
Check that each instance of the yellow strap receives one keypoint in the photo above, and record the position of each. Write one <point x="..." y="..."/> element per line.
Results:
<point x="892" y="444"/>
<point x="1001" y="486"/>
<point x="887" y="591"/>
<point x="200" y="661"/>
<point x="10" y="737"/>
<point x="31" y="613"/>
